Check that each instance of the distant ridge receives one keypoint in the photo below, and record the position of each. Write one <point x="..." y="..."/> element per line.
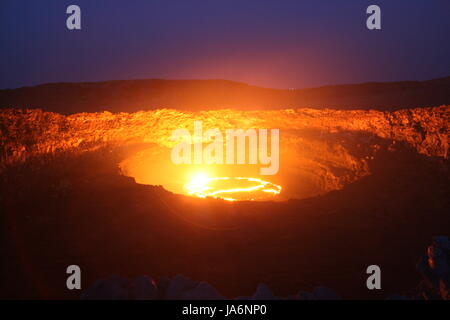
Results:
<point x="135" y="95"/>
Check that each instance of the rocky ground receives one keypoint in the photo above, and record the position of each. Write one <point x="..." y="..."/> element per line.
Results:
<point x="434" y="267"/>
<point x="321" y="150"/>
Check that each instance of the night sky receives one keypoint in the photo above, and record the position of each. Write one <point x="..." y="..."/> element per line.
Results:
<point x="270" y="43"/>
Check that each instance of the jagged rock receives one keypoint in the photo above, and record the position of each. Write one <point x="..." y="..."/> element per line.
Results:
<point x="324" y="293"/>
<point x="438" y="256"/>
<point x="179" y="285"/>
<point x="144" y="288"/>
<point x="263" y="293"/>
<point x="114" y="288"/>
<point x="203" y="291"/>
<point x="435" y="269"/>
<point x="163" y="285"/>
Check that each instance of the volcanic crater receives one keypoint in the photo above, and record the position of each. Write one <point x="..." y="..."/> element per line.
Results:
<point x="368" y="185"/>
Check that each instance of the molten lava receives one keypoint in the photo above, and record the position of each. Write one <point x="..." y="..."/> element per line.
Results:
<point x="231" y="188"/>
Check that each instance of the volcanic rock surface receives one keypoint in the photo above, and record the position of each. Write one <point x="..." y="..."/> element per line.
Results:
<point x="434" y="268"/>
<point x="375" y="190"/>
<point x="322" y="149"/>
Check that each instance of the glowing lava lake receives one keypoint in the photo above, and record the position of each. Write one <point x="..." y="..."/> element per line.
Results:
<point x="231" y="188"/>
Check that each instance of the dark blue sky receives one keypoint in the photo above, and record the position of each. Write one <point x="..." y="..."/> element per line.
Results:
<point x="271" y="43"/>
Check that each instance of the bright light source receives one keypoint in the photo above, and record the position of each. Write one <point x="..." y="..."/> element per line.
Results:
<point x="229" y="188"/>
<point x="198" y="184"/>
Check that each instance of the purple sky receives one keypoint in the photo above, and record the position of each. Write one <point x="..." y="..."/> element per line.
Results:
<point x="271" y="43"/>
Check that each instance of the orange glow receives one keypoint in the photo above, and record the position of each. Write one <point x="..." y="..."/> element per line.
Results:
<point x="230" y="188"/>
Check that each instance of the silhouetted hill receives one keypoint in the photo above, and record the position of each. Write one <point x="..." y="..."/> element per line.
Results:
<point x="135" y="95"/>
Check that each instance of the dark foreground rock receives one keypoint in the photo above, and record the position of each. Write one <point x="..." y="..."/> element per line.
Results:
<point x="183" y="288"/>
<point x="434" y="268"/>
